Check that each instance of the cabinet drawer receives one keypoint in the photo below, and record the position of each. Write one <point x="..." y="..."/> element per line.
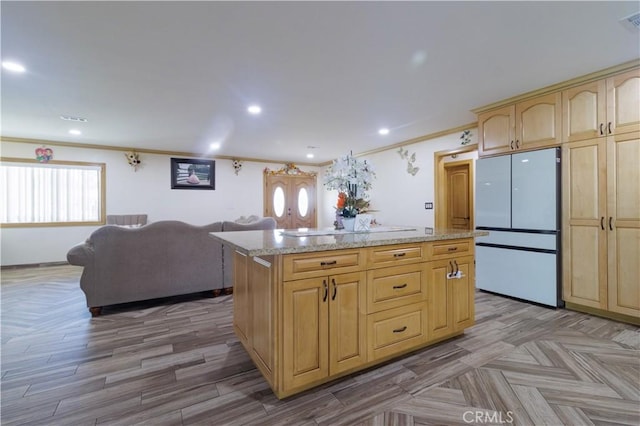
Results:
<point x="399" y="254"/>
<point x="396" y="330"/>
<point x="445" y="249"/>
<point x="319" y="264"/>
<point x="396" y="286"/>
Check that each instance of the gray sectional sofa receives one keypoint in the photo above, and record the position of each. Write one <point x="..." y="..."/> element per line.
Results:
<point x="161" y="259"/>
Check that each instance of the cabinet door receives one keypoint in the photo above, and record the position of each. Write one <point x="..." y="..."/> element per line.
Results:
<point x="463" y="293"/>
<point x="538" y="122"/>
<point x="347" y="321"/>
<point x="623" y="194"/>
<point x="584" y="245"/>
<point x="451" y="298"/>
<point x="305" y="332"/>
<point x="496" y="131"/>
<point x="623" y="102"/>
<point x="584" y="111"/>
<point x="241" y="298"/>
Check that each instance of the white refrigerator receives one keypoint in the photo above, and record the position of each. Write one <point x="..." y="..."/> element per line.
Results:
<point x="518" y="202"/>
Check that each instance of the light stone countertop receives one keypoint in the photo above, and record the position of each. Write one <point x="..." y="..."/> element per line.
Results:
<point x="261" y="243"/>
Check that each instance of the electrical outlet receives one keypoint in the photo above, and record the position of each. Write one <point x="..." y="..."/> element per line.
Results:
<point x="428" y="206"/>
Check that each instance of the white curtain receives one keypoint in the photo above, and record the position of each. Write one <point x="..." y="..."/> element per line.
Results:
<point x="44" y="193"/>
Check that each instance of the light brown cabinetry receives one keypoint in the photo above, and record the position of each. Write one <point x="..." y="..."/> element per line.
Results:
<point x="451" y="302"/>
<point x="531" y="124"/>
<point x="602" y="108"/>
<point x="323" y="327"/>
<point x="310" y="317"/>
<point x="601" y="223"/>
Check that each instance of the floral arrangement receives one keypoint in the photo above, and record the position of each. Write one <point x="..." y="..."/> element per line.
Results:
<point x="352" y="179"/>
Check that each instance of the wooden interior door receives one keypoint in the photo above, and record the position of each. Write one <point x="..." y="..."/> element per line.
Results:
<point x="459" y="192"/>
<point x="291" y="200"/>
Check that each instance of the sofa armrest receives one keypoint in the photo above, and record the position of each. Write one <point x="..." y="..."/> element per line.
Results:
<point x="80" y="254"/>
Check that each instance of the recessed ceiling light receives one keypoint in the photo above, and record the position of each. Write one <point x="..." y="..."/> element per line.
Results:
<point x="75" y="132"/>
<point x="13" y="66"/>
<point x="254" y="109"/>
<point x="383" y="131"/>
<point x="71" y="118"/>
<point x="215" y="145"/>
<point x="309" y="155"/>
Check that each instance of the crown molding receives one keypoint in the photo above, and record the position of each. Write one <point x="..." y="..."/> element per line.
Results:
<point x="142" y="150"/>
<point x="587" y="78"/>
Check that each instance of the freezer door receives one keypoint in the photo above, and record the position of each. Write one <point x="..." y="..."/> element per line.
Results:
<point x="534" y="186"/>
<point x="493" y="192"/>
<point x="523" y="274"/>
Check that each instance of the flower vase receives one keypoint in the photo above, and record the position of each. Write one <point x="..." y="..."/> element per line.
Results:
<point x="348" y="223"/>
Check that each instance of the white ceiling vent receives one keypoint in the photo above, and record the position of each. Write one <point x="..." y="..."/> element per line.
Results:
<point x="631" y="22"/>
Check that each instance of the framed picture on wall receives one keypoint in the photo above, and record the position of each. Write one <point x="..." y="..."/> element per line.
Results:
<point x="187" y="173"/>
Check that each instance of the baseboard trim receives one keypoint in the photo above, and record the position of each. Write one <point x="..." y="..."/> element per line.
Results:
<point x="602" y="313"/>
<point x="33" y="265"/>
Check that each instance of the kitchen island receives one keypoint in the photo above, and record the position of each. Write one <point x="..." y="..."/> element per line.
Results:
<point x="313" y="305"/>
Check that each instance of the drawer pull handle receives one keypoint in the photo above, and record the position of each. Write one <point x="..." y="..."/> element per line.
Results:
<point x="333" y="262"/>
<point x="452" y="248"/>
<point x="400" y="286"/>
<point x="400" y="330"/>
<point x="399" y="254"/>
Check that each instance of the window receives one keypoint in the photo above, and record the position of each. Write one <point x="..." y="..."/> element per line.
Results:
<point x="54" y="193"/>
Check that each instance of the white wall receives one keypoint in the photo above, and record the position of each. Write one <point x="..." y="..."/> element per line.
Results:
<point x="146" y="191"/>
<point x="397" y="196"/>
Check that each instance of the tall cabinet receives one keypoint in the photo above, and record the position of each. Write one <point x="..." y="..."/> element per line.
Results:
<point x="601" y="195"/>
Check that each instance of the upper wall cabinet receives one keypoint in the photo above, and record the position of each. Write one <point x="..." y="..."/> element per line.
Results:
<point x="530" y="124"/>
<point x="601" y="108"/>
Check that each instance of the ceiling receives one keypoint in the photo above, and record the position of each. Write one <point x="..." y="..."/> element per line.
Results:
<point x="178" y="76"/>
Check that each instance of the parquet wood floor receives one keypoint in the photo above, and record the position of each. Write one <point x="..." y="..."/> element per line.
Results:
<point x="178" y="362"/>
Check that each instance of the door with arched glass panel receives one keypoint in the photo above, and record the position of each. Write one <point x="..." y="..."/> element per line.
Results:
<point x="291" y="200"/>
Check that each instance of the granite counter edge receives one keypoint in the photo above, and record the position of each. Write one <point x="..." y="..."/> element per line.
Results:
<point x="270" y="251"/>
